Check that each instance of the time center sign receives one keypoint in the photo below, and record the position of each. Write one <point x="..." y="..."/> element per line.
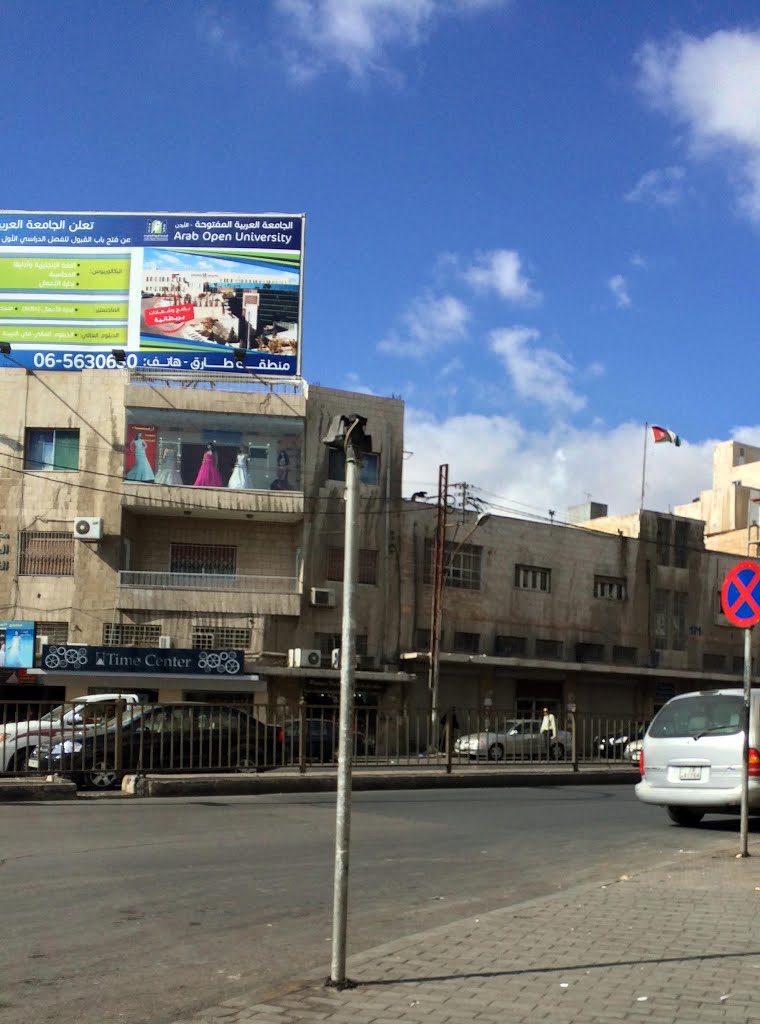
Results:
<point x="83" y="658"/>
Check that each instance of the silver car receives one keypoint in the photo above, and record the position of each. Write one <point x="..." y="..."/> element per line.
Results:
<point x="518" y="739"/>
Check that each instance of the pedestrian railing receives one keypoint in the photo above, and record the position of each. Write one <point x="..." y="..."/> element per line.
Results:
<point x="98" y="743"/>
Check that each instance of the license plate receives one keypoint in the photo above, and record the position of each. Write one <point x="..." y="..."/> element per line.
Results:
<point x="689" y="774"/>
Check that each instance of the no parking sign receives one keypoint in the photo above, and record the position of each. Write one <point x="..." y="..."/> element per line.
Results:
<point x="740" y="594"/>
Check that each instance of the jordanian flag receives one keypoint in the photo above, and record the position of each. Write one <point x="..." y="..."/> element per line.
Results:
<point x="661" y="434"/>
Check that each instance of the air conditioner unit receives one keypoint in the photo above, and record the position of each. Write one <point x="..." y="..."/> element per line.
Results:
<point x="164" y="641"/>
<point x="335" y="659"/>
<point x="39" y="643"/>
<point x="88" y="528"/>
<point x="302" y="657"/>
<point x="323" y="597"/>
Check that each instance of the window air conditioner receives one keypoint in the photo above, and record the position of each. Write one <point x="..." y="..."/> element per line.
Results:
<point x="88" y="528"/>
<point x="302" y="657"/>
<point x="323" y="597"/>
<point x="164" y="641"/>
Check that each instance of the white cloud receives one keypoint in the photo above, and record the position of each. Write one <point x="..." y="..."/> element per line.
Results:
<point x="712" y="86"/>
<point x="663" y="187"/>
<point x="529" y="472"/>
<point x="357" y="34"/>
<point x="430" y="323"/>
<point x="353" y="383"/>
<point x="619" y="288"/>
<point x="220" y="32"/>
<point x="501" y="271"/>
<point x="538" y="374"/>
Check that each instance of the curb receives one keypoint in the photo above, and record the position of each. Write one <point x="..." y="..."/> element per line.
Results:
<point x="243" y="785"/>
<point x="24" y="789"/>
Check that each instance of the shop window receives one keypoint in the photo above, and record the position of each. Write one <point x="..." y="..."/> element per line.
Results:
<point x="214" y="559"/>
<point x="47" y="553"/>
<point x="52" y="450"/>
<point x="369" y="472"/>
<point x="366" y="568"/>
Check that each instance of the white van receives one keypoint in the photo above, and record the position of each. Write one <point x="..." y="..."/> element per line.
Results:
<point x="691" y="759"/>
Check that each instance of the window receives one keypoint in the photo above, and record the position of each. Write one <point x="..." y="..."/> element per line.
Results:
<point x="366" y="568"/>
<point x="216" y="559"/>
<point x="56" y="632"/>
<point x="661" y="602"/>
<point x="467" y="643"/>
<point x="530" y="577"/>
<point x="127" y="634"/>
<point x="509" y="646"/>
<point x="463" y="564"/>
<point x="549" y="648"/>
<point x="422" y="640"/>
<point x="670" y="613"/>
<point x="369" y="472"/>
<point x="713" y="662"/>
<point x="680" y="606"/>
<point x="610" y="587"/>
<point x="589" y="652"/>
<point x="624" y="655"/>
<point x="327" y="642"/>
<point x="46" y="554"/>
<point x="52" y="449"/>
<point x="663" y="541"/>
<point x="681" y="545"/>
<point x="221" y="637"/>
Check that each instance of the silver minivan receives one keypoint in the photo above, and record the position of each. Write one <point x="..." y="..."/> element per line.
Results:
<point x="691" y="759"/>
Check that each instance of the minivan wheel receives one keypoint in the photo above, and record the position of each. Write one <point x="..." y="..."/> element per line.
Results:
<point x="688" y="816"/>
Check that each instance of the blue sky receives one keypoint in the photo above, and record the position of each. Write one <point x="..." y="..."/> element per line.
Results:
<point x="536" y="222"/>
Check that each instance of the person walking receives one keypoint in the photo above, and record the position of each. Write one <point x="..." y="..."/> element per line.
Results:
<point x="548" y="732"/>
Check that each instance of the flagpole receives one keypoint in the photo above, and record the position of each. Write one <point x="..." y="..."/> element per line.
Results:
<point x="644" y="469"/>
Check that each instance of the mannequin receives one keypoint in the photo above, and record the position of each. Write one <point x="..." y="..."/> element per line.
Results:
<point x="168" y="470"/>
<point x="239" y="479"/>
<point x="208" y="474"/>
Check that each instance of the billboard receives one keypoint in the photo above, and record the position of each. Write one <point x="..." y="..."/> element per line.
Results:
<point x="174" y="291"/>
<point x="16" y="644"/>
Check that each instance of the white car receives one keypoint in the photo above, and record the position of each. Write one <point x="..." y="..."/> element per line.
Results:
<point x="18" y="739"/>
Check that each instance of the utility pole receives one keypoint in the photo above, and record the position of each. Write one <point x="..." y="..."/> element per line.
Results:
<point x="346" y="432"/>
<point x="439" y="580"/>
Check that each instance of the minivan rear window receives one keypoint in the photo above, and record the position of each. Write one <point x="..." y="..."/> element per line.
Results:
<point x="720" y="714"/>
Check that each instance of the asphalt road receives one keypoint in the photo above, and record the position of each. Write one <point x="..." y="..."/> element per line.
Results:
<point x="142" y="911"/>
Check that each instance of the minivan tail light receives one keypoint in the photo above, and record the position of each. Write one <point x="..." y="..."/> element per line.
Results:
<point x="753" y="762"/>
<point x="641" y="763"/>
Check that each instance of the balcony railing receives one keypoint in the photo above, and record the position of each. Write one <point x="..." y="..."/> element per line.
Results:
<point x="210" y="581"/>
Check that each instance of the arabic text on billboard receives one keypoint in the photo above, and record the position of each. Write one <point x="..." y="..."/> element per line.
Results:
<point x="171" y="291"/>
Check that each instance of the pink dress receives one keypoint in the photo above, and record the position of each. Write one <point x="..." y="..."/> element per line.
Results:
<point x="208" y="474"/>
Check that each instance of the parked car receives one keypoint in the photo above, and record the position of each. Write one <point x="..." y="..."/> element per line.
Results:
<point x="613" y="746"/>
<point x="19" y="738"/>
<point x="692" y="757"/>
<point x="178" y="737"/>
<point x="519" y="739"/>
<point x="632" y="750"/>
<point x="320" y="740"/>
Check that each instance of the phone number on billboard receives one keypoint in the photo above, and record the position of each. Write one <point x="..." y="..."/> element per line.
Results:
<point x="81" y="361"/>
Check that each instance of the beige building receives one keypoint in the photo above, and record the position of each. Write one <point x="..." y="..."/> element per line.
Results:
<point x="166" y="517"/>
<point x="184" y="537"/>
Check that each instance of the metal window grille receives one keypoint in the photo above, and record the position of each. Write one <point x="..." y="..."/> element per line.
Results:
<point x="509" y="646"/>
<point x="221" y="637"/>
<point x="327" y="642"/>
<point x="531" y="577"/>
<point x="422" y="640"/>
<point x="610" y="587"/>
<point x="681" y="546"/>
<point x="589" y="652"/>
<point x="47" y="553"/>
<point x="467" y="643"/>
<point x="127" y="634"/>
<point x="661" y="607"/>
<point x="549" y="648"/>
<point x="462" y="564"/>
<point x="366" y="565"/>
<point x="216" y="559"/>
<point x="680" y="605"/>
<point x="56" y="632"/>
<point x="663" y="541"/>
<point x="624" y="655"/>
<point x="713" y="662"/>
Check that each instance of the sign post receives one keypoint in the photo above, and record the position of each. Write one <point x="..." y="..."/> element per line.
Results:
<point x="740" y="599"/>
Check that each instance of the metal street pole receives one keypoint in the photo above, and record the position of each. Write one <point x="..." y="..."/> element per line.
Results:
<point x="345" y="729"/>
<point x="436" y="612"/>
<point x="744" y="827"/>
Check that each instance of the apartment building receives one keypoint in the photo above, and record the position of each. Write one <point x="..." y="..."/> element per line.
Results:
<point x="184" y="537"/>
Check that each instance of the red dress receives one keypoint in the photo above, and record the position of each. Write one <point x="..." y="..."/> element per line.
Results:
<point x="208" y="474"/>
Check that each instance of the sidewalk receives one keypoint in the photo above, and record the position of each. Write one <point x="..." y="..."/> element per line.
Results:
<point x="677" y="945"/>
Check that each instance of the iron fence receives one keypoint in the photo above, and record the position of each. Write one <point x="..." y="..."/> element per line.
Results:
<point x="99" y="741"/>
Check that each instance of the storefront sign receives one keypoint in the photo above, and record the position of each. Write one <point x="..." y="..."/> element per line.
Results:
<point x="155" y="660"/>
